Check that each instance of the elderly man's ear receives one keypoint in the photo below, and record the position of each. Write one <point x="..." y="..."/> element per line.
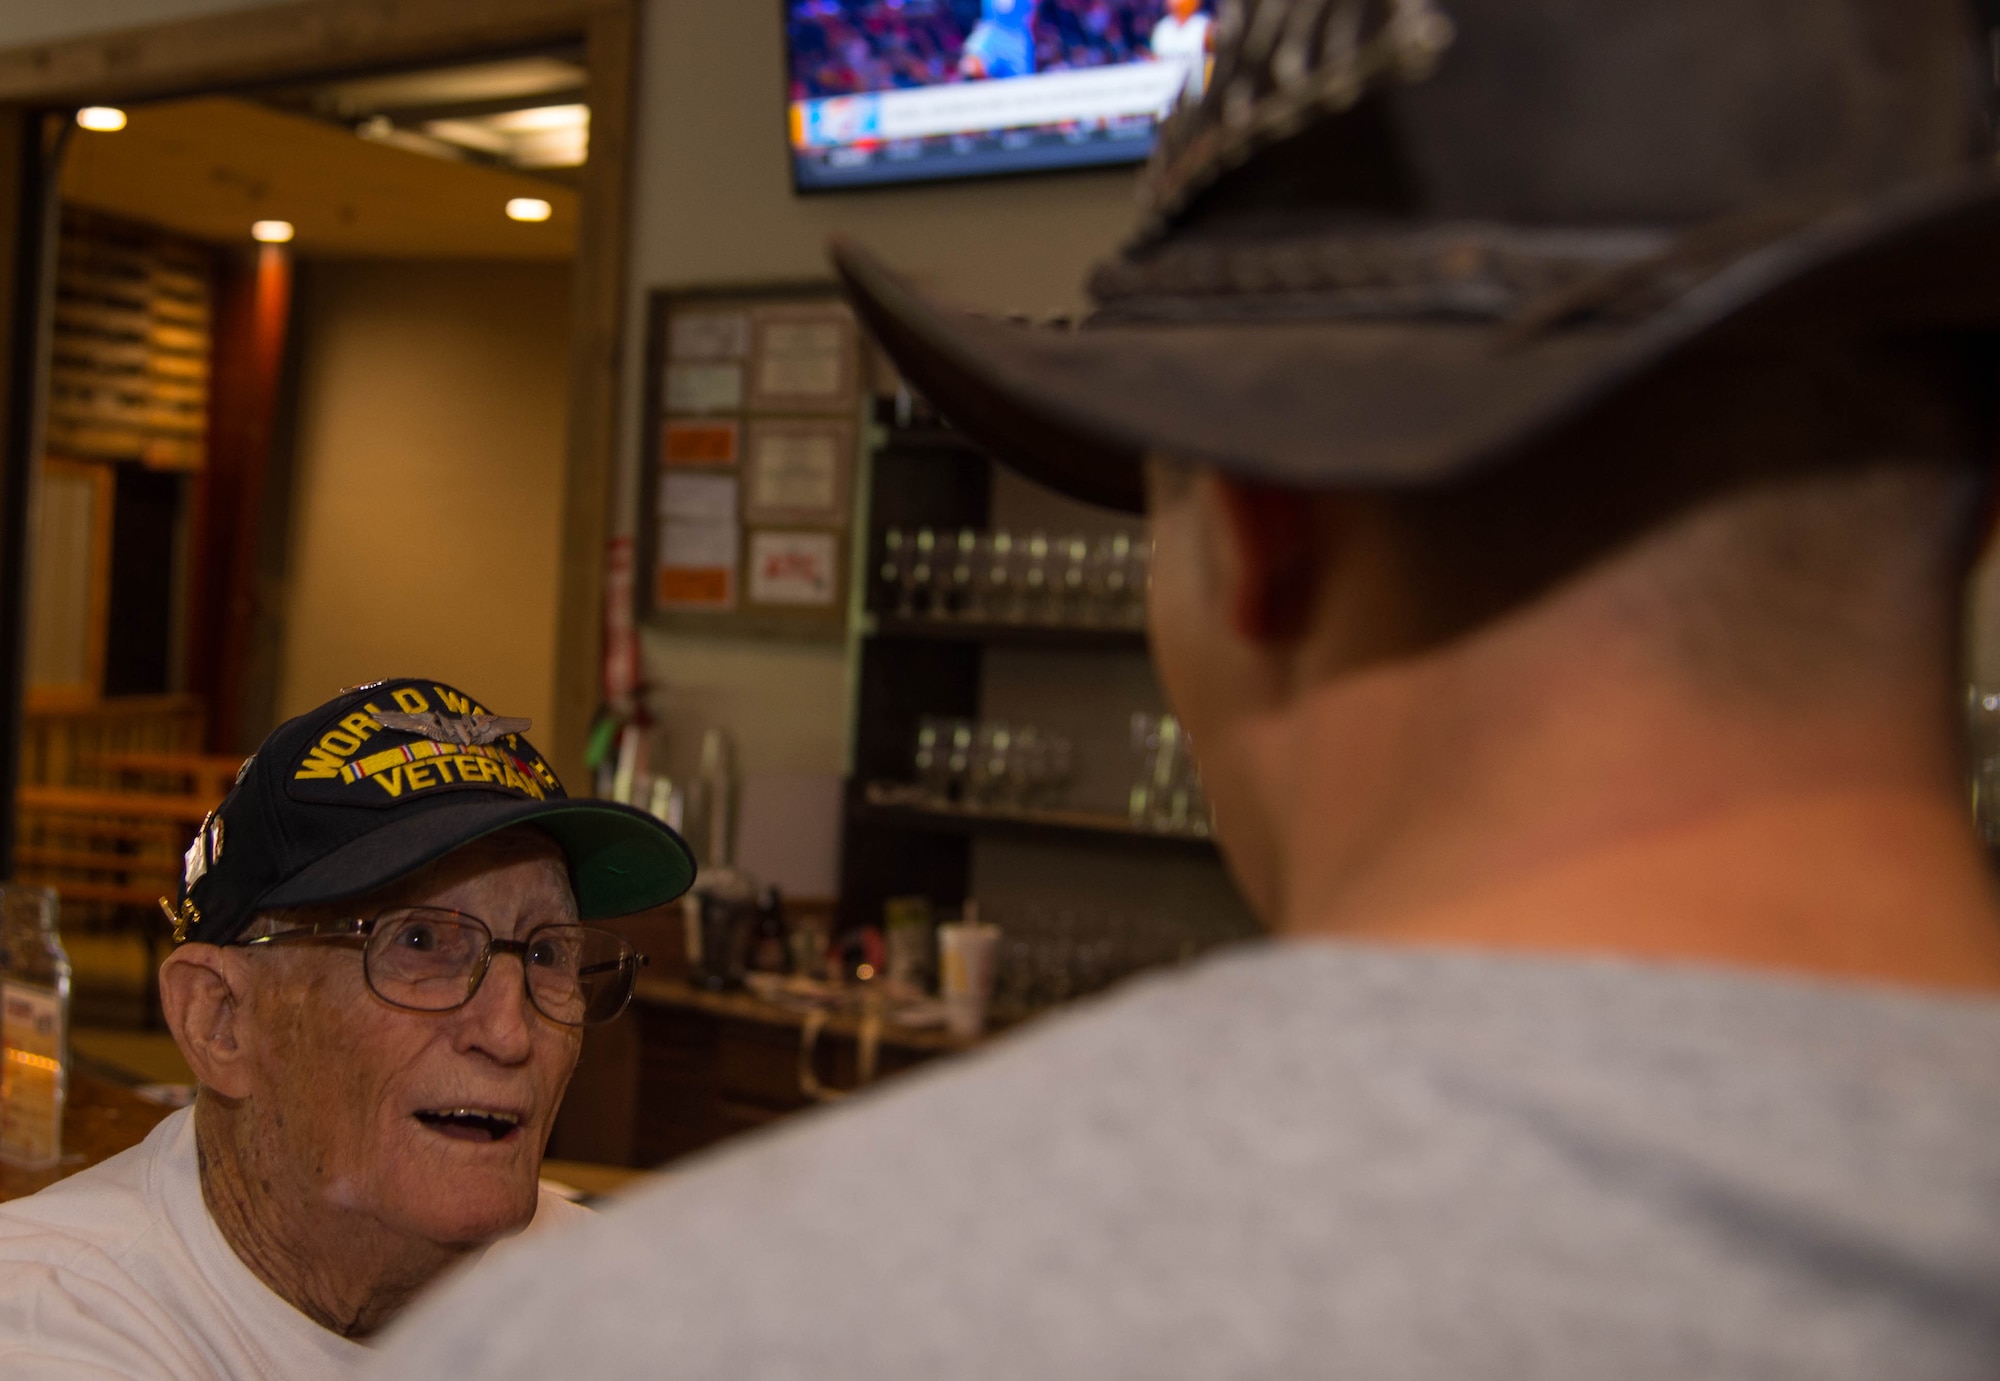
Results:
<point x="200" y="996"/>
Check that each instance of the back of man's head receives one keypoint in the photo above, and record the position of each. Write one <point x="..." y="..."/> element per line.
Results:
<point x="1792" y="529"/>
<point x="1746" y="595"/>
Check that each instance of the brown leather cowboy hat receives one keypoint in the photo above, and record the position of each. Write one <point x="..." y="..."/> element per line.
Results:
<point x="1400" y="240"/>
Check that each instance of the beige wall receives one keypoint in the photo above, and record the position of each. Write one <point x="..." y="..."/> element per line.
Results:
<point x="714" y="205"/>
<point x="427" y="480"/>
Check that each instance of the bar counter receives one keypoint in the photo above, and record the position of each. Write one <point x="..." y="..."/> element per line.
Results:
<point x="715" y="1064"/>
<point x="744" y="1004"/>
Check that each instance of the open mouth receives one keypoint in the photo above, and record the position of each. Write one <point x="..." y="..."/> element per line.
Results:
<point x="471" y="1124"/>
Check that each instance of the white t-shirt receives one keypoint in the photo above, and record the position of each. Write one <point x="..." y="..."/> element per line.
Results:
<point x="1186" y="44"/>
<point x="120" y="1272"/>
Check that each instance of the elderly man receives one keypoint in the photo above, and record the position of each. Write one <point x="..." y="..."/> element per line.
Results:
<point x="381" y="979"/>
<point x="1569" y="430"/>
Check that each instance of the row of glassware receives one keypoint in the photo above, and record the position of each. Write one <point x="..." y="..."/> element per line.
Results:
<point x="1006" y="577"/>
<point x="1052" y="952"/>
<point x="1167" y="795"/>
<point x="990" y="764"/>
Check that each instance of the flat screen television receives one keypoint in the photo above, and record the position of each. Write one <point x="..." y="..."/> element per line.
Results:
<point x="915" y="90"/>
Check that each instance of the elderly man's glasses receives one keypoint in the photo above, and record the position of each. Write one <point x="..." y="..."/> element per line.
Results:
<point x="426" y="959"/>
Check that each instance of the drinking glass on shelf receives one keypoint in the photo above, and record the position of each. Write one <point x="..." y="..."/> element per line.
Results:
<point x="1054" y="956"/>
<point x="924" y="573"/>
<point x="1109" y="576"/>
<point x="1138" y="581"/>
<point x="1014" y="984"/>
<point x="963" y="733"/>
<point x="992" y="751"/>
<point x="1071" y="578"/>
<point x="964" y="559"/>
<point x="993" y="578"/>
<point x="895" y="558"/>
<point x="1166" y="794"/>
<point x="933" y="761"/>
<point x="1145" y="755"/>
<point x="1058" y="770"/>
<point x="1032" y="587"/>
<point x="1200" y="815"/>
<point x="1169" y="790"/>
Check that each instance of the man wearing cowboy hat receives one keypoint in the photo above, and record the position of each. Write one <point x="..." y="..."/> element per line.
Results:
<point x="1566" y="431"/>
<point x="383" y="967"/>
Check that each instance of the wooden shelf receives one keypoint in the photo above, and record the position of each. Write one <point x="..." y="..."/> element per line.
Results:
<point x="1039" y="826"/>
<point x="1052" y="636"/>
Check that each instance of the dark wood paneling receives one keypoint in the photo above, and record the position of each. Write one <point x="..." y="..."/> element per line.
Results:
<point x="704" y="1077"/>
<point x="252" y="324"/>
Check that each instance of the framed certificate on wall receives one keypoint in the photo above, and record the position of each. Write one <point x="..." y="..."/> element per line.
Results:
<point x="798" y="470"/>
<point x="753" y="405"/>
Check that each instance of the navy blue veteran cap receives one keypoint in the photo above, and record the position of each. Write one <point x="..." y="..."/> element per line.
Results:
<point x="387" y="778"/>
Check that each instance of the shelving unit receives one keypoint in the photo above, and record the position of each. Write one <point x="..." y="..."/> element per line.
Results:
<point x="912" y="666"/>
<point x="1072" y="637"/>
<point x="1046" y="826"/>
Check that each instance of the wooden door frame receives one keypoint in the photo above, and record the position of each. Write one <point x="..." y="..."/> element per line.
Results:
<point x="292" y="41"/>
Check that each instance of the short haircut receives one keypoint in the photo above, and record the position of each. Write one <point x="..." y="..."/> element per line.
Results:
<point x="1777" y="517"/>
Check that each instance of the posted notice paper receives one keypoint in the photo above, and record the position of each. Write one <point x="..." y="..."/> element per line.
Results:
<point x="699" y="537"/>
<point x="797" y="471"/>
<point x="709" y="336"/>
<point x="802" y="361"/>
<point x="704" y="387"/>
<point x="794" y="568"/>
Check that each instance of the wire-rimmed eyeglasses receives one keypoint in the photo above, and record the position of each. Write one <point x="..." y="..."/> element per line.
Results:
<point x="429" y="959"/>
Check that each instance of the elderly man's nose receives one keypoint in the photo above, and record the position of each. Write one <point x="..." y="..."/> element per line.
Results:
<point x="500" y="1019"/>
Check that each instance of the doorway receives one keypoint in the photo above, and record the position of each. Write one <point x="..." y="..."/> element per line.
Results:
<point x="264" y="468"/>
<point x="295" y="52"/>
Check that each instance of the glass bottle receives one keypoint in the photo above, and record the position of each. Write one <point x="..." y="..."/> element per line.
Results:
<point x="34" y="1028"/>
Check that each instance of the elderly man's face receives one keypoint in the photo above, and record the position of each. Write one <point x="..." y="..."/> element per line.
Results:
<point x="349" y="1088"/>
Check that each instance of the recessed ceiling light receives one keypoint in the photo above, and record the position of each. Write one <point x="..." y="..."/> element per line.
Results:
<point x="271" y="232"/>
<point x="528" y="209"/>
<point x="104" y="119"/>
<point x="554" y="136"/>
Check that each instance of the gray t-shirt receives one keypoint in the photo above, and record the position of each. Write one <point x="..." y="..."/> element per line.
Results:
<point x="1328" y="1160"/>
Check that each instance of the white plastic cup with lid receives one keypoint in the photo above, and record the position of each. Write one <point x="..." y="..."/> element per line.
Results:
<point x="968" y="954"/>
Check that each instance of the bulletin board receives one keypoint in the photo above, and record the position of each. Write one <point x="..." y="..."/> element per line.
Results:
<point x="752" y="435"/>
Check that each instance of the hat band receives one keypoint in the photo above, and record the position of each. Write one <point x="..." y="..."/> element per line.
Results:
<point x="1530" y="278"/>
<point x="1481" y="271"/>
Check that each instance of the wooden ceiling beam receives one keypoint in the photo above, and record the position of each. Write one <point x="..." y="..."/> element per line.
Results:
<point x="266" y="43"/>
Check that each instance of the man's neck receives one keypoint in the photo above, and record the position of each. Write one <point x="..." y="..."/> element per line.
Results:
<point x="1867" y="887"/>
<point x="341" y="1269"/>
<point x="1626" y="823"/>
